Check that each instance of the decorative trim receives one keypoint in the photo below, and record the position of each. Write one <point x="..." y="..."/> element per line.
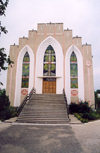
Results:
<point x="59" y="63"/>
<point x="80" y="73"/>
<point x="19" y="73"/>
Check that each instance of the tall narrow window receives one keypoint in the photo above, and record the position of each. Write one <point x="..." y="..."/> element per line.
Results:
<point x="25" y="71"/>
<point x="73" y="71"/>
<point x="49" y="63"/>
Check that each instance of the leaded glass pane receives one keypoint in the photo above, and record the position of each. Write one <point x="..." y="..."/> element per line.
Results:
<point x="74" y="83"/>
<point x="53" y="69"/>
<point x="26" y="57"/>
<point x="49" y="50"/>
<point x="25" y="71"/>
<point x="45" y="71"/>
<point x="46" y="58"/>
<point x="25" y="82"/>
<point x="73" y="57"/>
<point x="73" y="70"/>
<point x="49" y="65"/>
<point x="53" y="58"/>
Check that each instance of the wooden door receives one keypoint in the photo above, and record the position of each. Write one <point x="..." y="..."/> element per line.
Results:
<point x="49" y="85"/>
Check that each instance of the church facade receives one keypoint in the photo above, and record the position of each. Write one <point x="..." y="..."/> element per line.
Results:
<point x="50" y="59"/>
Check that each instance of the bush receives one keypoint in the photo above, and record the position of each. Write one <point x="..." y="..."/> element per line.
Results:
<point x="83" y="120"/>
<point x="13" y="111"/>
<point x="83" y="112"/>
<point x="79" y="108"/>
<point x="6" y="111"/>
<point x="92" y="115"/>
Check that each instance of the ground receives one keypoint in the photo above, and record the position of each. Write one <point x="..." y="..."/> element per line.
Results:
<point x="30" y="138"/>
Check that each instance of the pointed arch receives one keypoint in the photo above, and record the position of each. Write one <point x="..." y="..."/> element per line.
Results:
<point x="73" y="71"/>
<point x="25" y="71"/>
<point x="59" y="64"/>
<point x="80" y="73"/>
<point x="49" y="62"/>
<point x="19" y="72"/>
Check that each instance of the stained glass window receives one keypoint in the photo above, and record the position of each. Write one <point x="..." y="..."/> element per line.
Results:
<point x="25" y="71"/>
<point x="49" y="64"/>
<point x="73" y="71"/>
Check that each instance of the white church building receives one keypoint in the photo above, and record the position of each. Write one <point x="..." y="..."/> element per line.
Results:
<point x="50" y="59"/>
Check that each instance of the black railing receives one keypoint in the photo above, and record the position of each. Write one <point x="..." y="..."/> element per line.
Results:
<point x="26" y="100"/>
<point x="67" y="107"/>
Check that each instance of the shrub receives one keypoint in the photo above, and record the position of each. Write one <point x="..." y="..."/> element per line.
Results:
<point x="83" y="112"/>
<point x="83" y="120"/>
<point x="6" y="111"/>
<point x="79" y="108"/>
<point x="4" y="105"/>
<point x="73" y="108"/>
<point x="13" y="111"/>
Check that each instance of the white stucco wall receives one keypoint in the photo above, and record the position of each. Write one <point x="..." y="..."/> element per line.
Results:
<point x="80" y="73"/>
<point x="19" y="73"/>
<point x="59" y="64"/>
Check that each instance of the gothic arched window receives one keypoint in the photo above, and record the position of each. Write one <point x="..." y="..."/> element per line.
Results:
<point x="25" y="71"/>
<point x="49" y="62"/>
<point x="73" y="71"/>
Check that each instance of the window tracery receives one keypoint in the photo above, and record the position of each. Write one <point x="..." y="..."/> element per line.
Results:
<point x="49" y="63"/>
<point x="25" y="71"/>
<point x="73" y="71"/>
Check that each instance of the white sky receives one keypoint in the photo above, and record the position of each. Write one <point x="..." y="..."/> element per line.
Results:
<point x="82" y="16"/>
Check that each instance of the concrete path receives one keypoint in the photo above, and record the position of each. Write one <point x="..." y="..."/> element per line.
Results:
<point x="71" y="138"/>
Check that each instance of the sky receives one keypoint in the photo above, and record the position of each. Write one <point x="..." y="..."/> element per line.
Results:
<point x="82" y="16"/>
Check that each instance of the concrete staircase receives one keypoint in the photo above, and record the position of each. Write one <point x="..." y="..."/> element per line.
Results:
<point x="44" y="109"/>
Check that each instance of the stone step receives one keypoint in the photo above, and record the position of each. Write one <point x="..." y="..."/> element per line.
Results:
<point x="44" y="122"/>
<point x="44" y="104"/>
<point x="42" y="118"/>
<point x="47" y="95"/>
<point x="42" y="112"/>
<point x="46" y="101"/>
<point x="45" y="108"/>
<point x="44" y="115"/>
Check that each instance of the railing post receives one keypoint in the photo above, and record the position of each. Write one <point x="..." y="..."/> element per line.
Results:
<point x="67" y="107"/>
<point x="26" y="100"/>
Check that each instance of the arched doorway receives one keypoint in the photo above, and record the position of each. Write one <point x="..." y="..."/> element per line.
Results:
<point x="39" y="76"/>
<point x="49" y="71"/>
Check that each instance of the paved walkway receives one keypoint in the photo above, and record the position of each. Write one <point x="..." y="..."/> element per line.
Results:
<point x="70" y="138"/>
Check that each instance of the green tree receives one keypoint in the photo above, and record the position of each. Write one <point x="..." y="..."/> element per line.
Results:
<point x="6" y="111"/>
<point x="3" y="57"/>
<point x="3" y="5"/>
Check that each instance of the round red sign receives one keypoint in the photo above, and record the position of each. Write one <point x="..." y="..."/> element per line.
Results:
<point x="24" y="92"/>
<point x="74" y="92"/>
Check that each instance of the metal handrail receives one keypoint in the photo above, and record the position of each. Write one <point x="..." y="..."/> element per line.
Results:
<point x="26" y="100"/>
<point x="67" y="107"/>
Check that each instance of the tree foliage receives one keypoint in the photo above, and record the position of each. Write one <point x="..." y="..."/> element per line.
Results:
<point x="6" y="111"/>
<point x="3" y="6"/>
<point x="3" y="57"/>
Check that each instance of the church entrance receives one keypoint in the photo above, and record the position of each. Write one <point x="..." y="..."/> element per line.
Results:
<point x="49" y="85"/>
<point x="49" y="71"/>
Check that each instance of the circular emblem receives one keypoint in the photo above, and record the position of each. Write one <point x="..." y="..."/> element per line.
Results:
<point x="74" y="92"/>
<point x="24" y="92"/>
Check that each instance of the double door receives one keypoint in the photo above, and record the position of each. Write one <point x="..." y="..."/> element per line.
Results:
<point x="49" y="85"/>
